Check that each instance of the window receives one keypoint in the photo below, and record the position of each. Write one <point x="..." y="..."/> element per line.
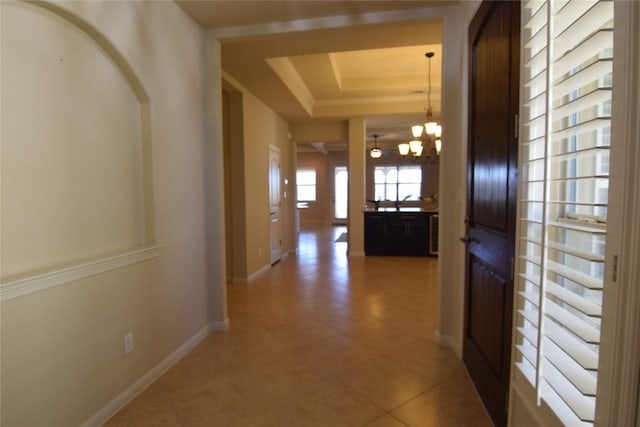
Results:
<point x="306" y="185"/>
<point x="567" y="60"/>
<point x="396" y="183"/>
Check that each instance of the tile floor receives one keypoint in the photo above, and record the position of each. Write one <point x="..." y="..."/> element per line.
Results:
<point x="320" y="340"/>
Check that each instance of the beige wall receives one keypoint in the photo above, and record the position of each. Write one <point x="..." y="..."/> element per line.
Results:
<point x="62" y="348"/>
<point x="452" y="202"/>
<point x="235" y="207"/>
<point x="329" y="131"/>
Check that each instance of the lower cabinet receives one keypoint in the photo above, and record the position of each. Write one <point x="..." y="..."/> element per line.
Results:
<point x="397" y="233"/>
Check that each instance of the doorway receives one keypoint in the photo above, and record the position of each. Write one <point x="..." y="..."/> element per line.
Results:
<point x="340" y="194"/>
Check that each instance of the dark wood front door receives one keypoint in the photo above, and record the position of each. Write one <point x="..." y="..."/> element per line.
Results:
<point x="491" y="201"/>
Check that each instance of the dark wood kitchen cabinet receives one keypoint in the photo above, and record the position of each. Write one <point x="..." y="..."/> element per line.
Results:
<point x="397" y="233"/>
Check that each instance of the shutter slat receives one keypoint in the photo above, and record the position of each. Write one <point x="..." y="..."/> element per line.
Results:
<point x="567" y="416"/>
<point x="580" y="328"/>
<point x="535" y="240"/>
<point x="578" y="226"/>
<point x="538" y="81"/>
<point x="598" y="42"/>
<point x="534" y="280"/>
<point x="586" y="75"/>
<point x="527" y="370"/>
<point x="589" y="18"/>
<point x="530" y="315"/>
<point x="531" y="335"/>
<point x="583" y="406"/>
<point x="533" y="6"/>
<point x="582" y="128"/>
<point x="579" y="154"/>
<point x="573" y="203"/>
<point x="529" y="352"/>
<point x="576" y="276"/>
<point x="596" y="97"/>
<point x="574" y="347"/>
<point x="589" y="256"/>
<point x="576" y="301"/>
<point x="535" y="260"/>
<point x="585" y="381"/>
<point x="531" y="221"/>
<point x="538" y="41"/>
<point x="538" y="18"/>
<point x="538" y="62"/>
<point x="532" y="297"/>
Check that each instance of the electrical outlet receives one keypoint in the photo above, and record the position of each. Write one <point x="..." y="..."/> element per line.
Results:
<point x="128" y="343"/>
<point x="259" y="251"/>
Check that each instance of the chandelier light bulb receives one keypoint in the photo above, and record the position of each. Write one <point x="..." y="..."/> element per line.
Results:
<point x="415" y="145"/>
<point x="416" y="131"/>
<point x="403" y="148"/>
<point x="430" y="127"/>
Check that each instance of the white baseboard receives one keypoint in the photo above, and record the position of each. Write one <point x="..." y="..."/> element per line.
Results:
<point x="131" y="392"/>
<point x="258" y="273"/>
<point x="445" y="340"/>
<point x="244" y="280"/>
<point x="219" y="326"/>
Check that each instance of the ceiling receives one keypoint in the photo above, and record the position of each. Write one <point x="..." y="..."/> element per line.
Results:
<point x="331" y="71"/>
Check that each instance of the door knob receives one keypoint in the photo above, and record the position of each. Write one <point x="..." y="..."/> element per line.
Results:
<point x="466" y="240"/>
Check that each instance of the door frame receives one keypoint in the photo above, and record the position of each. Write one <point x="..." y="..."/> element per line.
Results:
<point x="334" y="220"/>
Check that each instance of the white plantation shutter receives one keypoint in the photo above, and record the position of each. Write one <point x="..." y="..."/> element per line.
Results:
<point x="564" y="161"/>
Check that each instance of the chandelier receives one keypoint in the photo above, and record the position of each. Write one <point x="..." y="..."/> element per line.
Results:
<point x="432" y="130"/>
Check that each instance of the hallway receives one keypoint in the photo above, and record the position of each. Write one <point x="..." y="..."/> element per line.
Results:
<point x="320" y="340"/>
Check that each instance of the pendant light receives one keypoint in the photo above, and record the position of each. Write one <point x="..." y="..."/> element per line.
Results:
<point x="375" y="152"/>
<point x="430" y="124"/>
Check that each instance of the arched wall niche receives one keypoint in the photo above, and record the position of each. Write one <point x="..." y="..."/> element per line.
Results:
<point x="76" y="173"/>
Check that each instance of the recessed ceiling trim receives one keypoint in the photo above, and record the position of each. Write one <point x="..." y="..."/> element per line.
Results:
<point x="327" y="22"/>
<point x="364" y="109"/>
<point x="319" y="146"/>
<point x="292" y="80"/>
<point x="435" y="101"/>
<point x="336" y="70"/>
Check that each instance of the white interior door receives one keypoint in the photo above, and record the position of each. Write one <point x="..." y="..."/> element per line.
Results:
<point x="274" y="204"/>
<point x="340" y="194"/>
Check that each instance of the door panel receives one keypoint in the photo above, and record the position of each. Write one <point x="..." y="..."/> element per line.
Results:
<point x="491" y="203"/>
<point x="486" y="312"/>
<point x="274" y="204"/>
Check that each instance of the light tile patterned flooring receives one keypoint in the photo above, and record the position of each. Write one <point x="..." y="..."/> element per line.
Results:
<point x="320" y="340"/>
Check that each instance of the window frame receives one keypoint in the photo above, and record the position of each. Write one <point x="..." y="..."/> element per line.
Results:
<point x="397" y="183"/>
<point x="619" y="357"/>
<point x="314" y="185"/>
